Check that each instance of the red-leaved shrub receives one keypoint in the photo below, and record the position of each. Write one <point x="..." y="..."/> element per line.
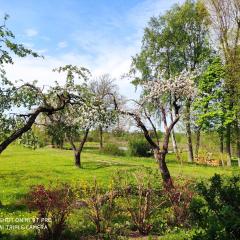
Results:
<point x="53" y="207"/>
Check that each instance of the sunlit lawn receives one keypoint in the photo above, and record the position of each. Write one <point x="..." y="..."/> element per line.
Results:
<point x="20" y="168"/>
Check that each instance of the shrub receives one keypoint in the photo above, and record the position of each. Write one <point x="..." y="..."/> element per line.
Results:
<point x="113" y="149"/>
<point x="100" y="208"/>
<point x="216" y="210"/>
<point x="141" y="197"/>
<point x="139" y="147"/>
<point x="53" y="207"/>
<point x="180" y="198"/>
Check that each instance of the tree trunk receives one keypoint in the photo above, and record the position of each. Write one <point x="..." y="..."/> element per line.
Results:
<point x="77" y="152"/>
<point x="189" y="133"/>
<point x="100" y="137"/>
<point x="160" y="156"/>
<point x="221" y="141"/>
<point x="174" y="143"/>
<point x="198" y="137"/>
<point x="20" y="131"/>
<point x="228" y="144"/>
<point x="77" y="157"/>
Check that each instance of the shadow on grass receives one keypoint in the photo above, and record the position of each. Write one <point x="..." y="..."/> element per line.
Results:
<point x="85" y="148"/>
<point x="8" y="236"/>
<point x="13" y="207"/>
<point x="102" y="164"/>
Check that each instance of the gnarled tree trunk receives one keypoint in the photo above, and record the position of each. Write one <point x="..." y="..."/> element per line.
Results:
<point x="160" y="156"/>
<point x="31" y="120"/>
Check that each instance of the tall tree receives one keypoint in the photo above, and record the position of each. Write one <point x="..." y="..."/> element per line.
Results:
<point x="209" y="105"/>
<point x="225" y="19"/>
<point x="175" y="42"/>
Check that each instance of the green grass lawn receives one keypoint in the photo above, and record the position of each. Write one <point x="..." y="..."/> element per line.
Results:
<point x="20" y="168"/>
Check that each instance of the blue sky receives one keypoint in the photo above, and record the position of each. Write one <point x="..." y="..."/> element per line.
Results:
<point x="101" y="35"/>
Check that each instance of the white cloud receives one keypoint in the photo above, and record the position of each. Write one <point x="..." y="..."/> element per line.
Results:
<point x="99" y="52"/>
<point x="62" y="44"/>
<point x="31" y="32"/>
<point x="29" y="69"/>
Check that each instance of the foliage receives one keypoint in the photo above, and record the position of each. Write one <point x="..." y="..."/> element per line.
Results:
<point x="173" y="42"/>
<point x="216" y="210"/>
<point x="53" y="206"/>
<point x="139" y="147"/>
<point x="30" y="140"/>
<point x="113" y="149"/>
<point x="7" y="89"/>
<point x="210" y="110"/>
<point x="7" y="38"/>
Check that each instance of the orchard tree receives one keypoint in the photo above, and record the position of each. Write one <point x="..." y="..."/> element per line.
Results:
<point x="166" y="95"/>
<point x="36" y="101"/>
<point x="8" y="92"/>
<point x="102" y="88"/>
<point x="88" y="111"/>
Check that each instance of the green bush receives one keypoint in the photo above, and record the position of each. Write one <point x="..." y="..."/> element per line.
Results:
<point x="139" y="147"/>
<point x="216" y="210"/>
<point x="112" y="149"/>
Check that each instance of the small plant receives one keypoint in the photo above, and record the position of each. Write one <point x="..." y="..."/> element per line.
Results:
<point x="113" y="149"/>
<point x="139" y="147"/>
<point x="53" y="207"/>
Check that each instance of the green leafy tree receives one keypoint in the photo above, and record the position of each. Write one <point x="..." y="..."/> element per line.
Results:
<point x="225" y="21"/>
<point x="209" y="106"/>
<point x="172" y="43"/>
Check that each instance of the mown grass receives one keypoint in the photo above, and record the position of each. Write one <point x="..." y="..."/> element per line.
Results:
<point x="20" y="168"/>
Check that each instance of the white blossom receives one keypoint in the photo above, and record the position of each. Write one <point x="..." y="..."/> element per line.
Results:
<point x="178" y="88"/>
